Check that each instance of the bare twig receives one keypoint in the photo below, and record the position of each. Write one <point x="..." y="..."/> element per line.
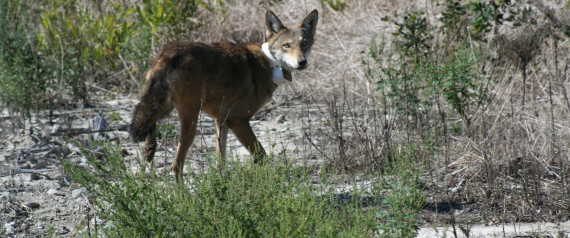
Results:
<point x="78" y="131"/>
<point x="28" y="171"/>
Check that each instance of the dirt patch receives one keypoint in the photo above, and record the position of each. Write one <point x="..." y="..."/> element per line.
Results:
<point x="539" y="229"/>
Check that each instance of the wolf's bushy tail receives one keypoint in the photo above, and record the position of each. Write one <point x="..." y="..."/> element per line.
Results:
<point x="153" y="106"/>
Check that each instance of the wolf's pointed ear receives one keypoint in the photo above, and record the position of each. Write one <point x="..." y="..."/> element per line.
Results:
<point x="272" y="24"/>
<point x="310" y="22"/>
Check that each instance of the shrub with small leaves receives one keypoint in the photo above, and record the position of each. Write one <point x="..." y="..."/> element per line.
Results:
<point x="27" y="82"/>
<point x="413" y="34"/>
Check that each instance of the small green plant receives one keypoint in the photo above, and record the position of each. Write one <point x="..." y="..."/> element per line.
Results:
<point x="460" y="83"/>
<point x="404" y="199"/>
<point x="166" y="131"/>
<point x="401" y="82"/>
<point x="337" y="5"/>
<point x="115" y="116"/>
<point x="51" y="230"/>
<point x="413" y="33"/>
<point x="247" y="200"/>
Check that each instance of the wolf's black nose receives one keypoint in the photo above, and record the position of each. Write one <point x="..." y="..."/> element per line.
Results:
<point x="303" y="63"/>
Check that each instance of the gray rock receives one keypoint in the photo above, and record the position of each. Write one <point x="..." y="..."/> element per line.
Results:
<point x="34" y="177"/>
<point x="40" y="165"/>
<point x="280" y="118"/>
<point x="51" y="191"/>
<point x="32" y="205"/>
<point x="76" y="193"/>
<point x="10" y="227"/>
<point x="5" y="196"/>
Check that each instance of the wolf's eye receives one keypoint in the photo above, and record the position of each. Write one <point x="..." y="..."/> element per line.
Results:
<point x="286" y="45"/>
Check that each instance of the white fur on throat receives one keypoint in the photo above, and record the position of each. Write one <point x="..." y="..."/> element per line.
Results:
<point x="278" y="77"/>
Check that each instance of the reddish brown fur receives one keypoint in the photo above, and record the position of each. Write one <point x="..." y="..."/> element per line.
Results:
<point x="229" y="82"/>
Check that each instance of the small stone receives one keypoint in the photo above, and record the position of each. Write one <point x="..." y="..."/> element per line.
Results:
<point x="456" y="189"/>
<point x="55" y="129"/>
<point x="32" y="205"/>
<point x="5" y="196"/>
<point x="51" y="191"/>
<point x="10" y="227"/>
<point x="34" y="177"/>
<point x="25" y="227"/>
<point x="76" y="193"/>
<point x="64" y="230"/>
<point x="280" y="118"/>
<point x="40" y="225"/>
<point x="40" y="165"/>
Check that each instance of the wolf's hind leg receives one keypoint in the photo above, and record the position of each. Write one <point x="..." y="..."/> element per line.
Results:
<point x="150" y="145"/>
<point x="188" y="120"/>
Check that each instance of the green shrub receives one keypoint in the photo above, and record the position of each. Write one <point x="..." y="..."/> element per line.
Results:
<point x="337" y="5"/>
<point x="84" y="42"/>
<point x="404" y="199"/>
<point x="465" y="20"/>
<point x="168" y="19"/>
<point x="460" y="84"/>
<point x="401" y="82"/>
<point x="53" y="50"/>
<point x="416" y="75"/>
<point x="166" y="130"/>
<point x="27" y="84"/>
<point x="413" y="34"/>
<point x="245" y="200"/>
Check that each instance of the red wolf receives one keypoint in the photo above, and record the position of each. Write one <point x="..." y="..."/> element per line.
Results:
<point x="227" y="81"/>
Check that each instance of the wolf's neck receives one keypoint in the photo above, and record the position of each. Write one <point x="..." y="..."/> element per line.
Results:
<point x="267" y="52"/>
<point x="278" y="77"/>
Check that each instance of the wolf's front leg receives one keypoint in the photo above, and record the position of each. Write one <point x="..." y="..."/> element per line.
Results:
<point x="221" y="139"/>
<point x="242" y="130"/>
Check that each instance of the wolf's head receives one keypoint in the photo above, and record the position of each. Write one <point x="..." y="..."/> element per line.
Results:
<point x="291" y="46"/>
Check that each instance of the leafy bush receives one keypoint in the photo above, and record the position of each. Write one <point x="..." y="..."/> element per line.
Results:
<point x="89" y="42"/>
<point x="168" y="19"/>
<point x="64" y="46"/>
<point x="413" y="33"/>
<point x="245" y="200"/>
<point x="416" y="75"/>
<point x="474" y="19"/>
<point x="404" y="199"/>
<point x="336" y="5"/>
<point x="461" y="85"/>
<point x="27" y="83"/>
<point x="166" y="131"/>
